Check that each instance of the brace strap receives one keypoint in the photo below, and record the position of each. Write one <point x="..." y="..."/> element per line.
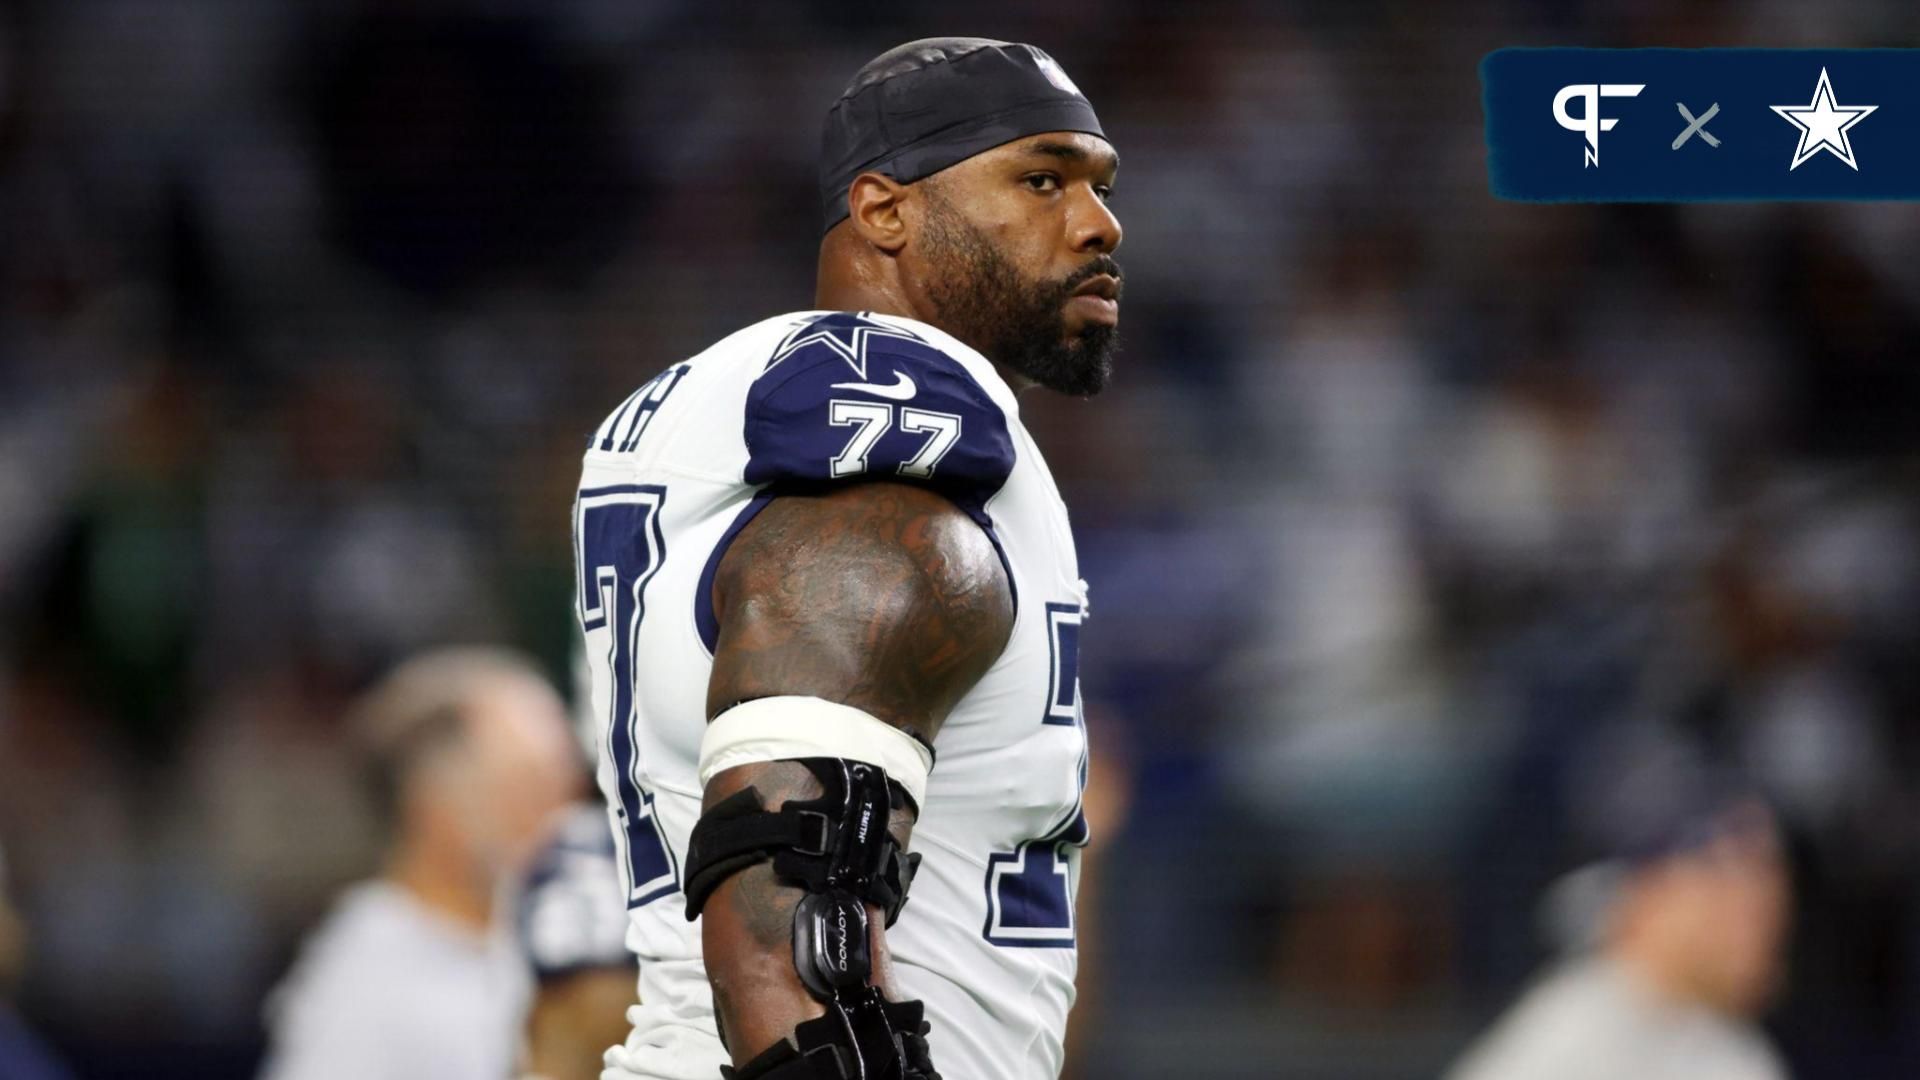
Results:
<point x="839" y="840"/>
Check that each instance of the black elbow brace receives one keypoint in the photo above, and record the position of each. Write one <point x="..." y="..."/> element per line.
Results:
<point x="838" y="841"/>
<point x="838" y="849"/>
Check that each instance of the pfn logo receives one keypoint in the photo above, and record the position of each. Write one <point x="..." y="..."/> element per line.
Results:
<point x="1589" y="122"/>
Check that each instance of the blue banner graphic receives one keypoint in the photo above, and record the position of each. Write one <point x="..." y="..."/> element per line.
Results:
<point x="1679" y="125"/>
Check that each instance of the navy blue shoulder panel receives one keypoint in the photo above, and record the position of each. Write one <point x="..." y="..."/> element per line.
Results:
<point x="846" y="398"/>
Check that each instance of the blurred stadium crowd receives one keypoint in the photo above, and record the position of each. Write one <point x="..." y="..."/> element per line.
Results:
<point x="1424" y="531"/>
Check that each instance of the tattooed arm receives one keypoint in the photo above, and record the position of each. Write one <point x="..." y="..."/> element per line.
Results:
<point x="882" y="596"/>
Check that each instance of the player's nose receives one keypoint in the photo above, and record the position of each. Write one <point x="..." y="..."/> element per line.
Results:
<point x="1092" y="226"/>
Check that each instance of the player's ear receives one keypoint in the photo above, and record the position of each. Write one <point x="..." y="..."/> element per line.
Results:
<point x="873" y="205"/>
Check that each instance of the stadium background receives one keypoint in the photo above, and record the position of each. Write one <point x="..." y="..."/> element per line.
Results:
<point x="1416" y="522"/>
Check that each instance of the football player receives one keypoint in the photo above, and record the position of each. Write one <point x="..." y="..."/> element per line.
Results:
<point x="832" y="608"/>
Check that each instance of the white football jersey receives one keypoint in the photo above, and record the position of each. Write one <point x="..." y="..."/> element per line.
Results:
<point x="801" y="402"/>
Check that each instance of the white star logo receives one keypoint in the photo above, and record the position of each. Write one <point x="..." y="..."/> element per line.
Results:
<point x="1823" y="125"/>
<point x="845" y="332"/>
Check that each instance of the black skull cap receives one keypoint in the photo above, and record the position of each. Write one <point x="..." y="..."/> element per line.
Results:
<point x="920" y="107"/>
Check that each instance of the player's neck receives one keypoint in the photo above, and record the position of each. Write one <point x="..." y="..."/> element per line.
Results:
<point x="444" y="882"/>
<point x="857" y="285"/>
<point x="848" y="277"/>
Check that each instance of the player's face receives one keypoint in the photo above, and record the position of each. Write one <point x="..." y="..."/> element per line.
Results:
<point x="1017" y="257"/>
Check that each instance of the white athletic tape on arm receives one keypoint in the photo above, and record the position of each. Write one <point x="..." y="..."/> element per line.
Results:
<point x="782" y="728"/>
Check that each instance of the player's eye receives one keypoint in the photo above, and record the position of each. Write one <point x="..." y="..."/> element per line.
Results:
<point x="1105" y="191"/>
<point x="1041" y="181"/>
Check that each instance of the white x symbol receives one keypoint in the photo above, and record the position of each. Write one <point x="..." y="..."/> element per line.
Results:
<point x="1696" y="126"/>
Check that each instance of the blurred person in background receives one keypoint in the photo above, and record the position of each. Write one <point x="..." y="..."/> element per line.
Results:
<point x="1678" y="944"/>
<point x="415" y="974"/>
<point x="21" y="1055"/>
<point x="573" y="925"/>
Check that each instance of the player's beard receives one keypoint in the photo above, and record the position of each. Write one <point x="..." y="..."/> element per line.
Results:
<point x="1021" y="324"/>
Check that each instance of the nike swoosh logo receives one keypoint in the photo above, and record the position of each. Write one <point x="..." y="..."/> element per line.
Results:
<point x="902" y="389"/>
